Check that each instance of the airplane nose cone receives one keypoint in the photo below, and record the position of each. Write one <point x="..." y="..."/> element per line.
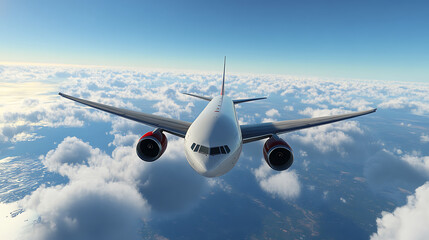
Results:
<point x="208" y="166"/>
<point x="204" y="164"/>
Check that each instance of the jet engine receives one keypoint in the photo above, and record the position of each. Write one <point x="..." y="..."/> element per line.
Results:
<point x="277" y="153"/>
<point x="151" y="146"/>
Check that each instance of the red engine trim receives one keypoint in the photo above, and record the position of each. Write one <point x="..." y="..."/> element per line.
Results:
<point x="277" y="153"/>
<point x="273" y="142"/>
<point x="160" y="137"/>
<point x="161" y="141"/>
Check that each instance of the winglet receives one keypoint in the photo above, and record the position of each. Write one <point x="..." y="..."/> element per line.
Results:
<point x="223" y="79"/>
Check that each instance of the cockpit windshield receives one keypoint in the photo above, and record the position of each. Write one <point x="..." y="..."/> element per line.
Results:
<point x="212" y="151"/>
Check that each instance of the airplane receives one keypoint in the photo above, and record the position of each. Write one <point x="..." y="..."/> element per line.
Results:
<point x="214" y="140"/>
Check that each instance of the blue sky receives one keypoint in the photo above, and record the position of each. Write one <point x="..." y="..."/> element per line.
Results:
<point x="384" y="40"/>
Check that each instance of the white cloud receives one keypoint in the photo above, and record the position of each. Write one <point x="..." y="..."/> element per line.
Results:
<point x="125" y="126"/>
<point x="220" y="183"/>
<point x="263" y="171"/>
<point x="100" y="200"/>
<point x="330" y="137"/>
<point x="13" y="221"/>
<point x="305" y="163"/>
<point x="124" y="140"/>
<point x="420" y="163"/>
<point x="242" y="121"/>
<point x="107" y="197"/>
<point x="288" y="108"/>
<point x="396" y="103"/>
<point x="284" y="184"/>
<point x="72" y="151"/>
<point x="406" y="222"/>
<point x="424" y="138"/>
<point x="7" y="159"/>
<point x="322" y="112"/>
<point x="417" y="107"/>
<point x="397" y="151"/>
<point x="28" y="93"/>
<point x="170" y="108"/>
<point x="87" y="210"/>
<point x="272" y="113"/>
<point x="19" y="123"/>
<point x="265" y="120"/>
<point x="276" y="185"/>
<point x="23" y="136"/>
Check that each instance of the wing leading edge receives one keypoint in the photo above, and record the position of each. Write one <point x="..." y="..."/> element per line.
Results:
<point x="173" y="126"/>
<point x="254" y="132"/>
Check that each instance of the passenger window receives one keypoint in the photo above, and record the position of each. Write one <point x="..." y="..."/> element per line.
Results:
<point x="196" y="148"/>
<point x="204" y="150"/>
<point x="222" y="149"/>
<point x="193" y="145"/>
<point x="227" y="149"/>
<point x="214" y="151"/>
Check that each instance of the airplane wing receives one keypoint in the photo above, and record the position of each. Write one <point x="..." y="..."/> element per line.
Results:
<point x="173" y="126"/>
<point x="254" y="132"/>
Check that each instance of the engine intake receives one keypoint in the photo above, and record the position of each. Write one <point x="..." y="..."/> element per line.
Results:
<point x="277" y="153"/>
<point x="151" y="146"/>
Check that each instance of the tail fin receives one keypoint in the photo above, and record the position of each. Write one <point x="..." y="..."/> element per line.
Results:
<point x="223" y="79"/>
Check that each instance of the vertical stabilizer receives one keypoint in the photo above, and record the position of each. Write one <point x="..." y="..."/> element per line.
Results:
<point x="223" y="79"/>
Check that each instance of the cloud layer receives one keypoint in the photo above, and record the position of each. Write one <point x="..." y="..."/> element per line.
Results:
<point x="98" y="179"/>
<point x="107" y="197"/>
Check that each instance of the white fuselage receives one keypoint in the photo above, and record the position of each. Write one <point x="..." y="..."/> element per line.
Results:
<point x="213" y="142"/>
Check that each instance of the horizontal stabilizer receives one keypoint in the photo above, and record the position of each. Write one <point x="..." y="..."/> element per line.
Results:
<point x="247" y="100"/>
<point x="198" y="96"/>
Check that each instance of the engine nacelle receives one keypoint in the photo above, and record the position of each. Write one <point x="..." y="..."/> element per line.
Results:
<point x="151" y="146"/>
<point x="277" y="153"/>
